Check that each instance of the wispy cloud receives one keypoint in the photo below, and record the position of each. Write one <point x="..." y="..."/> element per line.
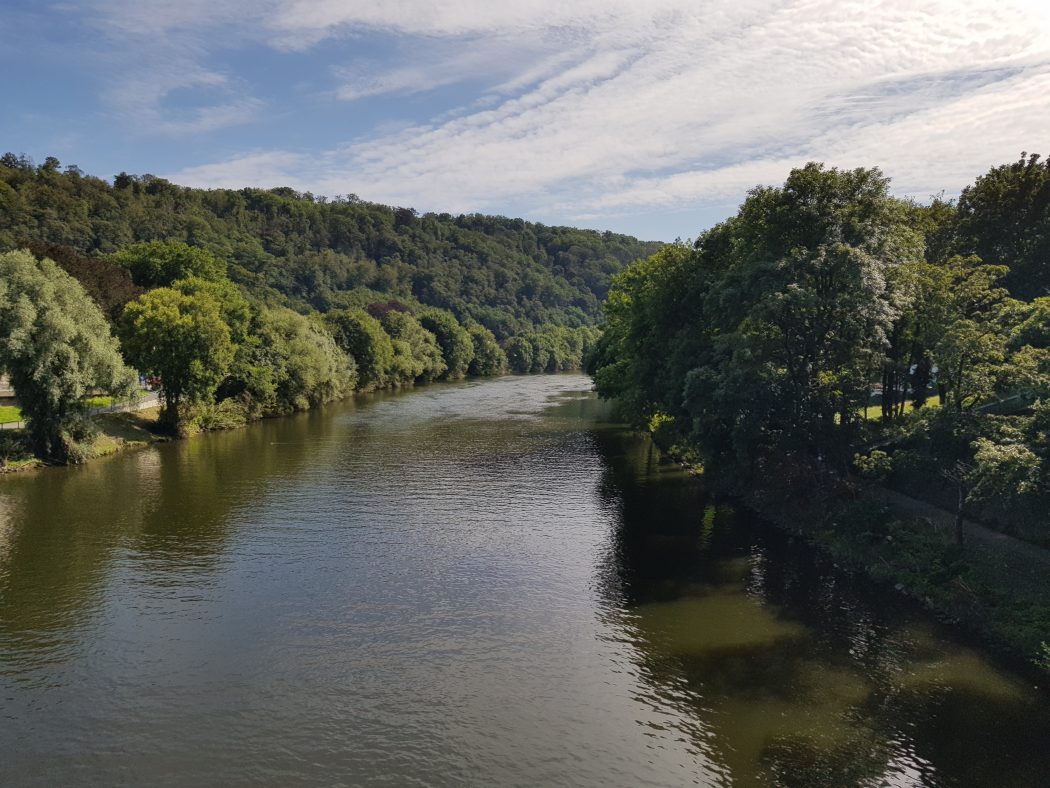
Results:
<point x="143" y="101"/>
<point x="603" y="107"/>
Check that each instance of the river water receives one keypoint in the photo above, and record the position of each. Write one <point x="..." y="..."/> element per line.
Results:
<point x="473" y="584"/>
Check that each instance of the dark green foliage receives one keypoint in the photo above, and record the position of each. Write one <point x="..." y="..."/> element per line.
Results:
<point x="1004" y="218"/>
<point x="362" y="337"/>
<point x="159" y="263"/>
<point x="457" y="347"/>
<point x="763" y="347"/>
<point x="507" y="274"/>
<point x="417" y="355"/>
<point x="181" y="339"/>
<point x="489" y="358"/>
<point x="108" y="284"/>
<point x="520" y="354"/>
<point x="57" y="348"/>
<point x="763" y="336"/>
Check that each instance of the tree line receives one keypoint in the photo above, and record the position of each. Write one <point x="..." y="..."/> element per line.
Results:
<point x="304" y="250"/>
<point x="830" y="325"/>
<point x="221" y="355"/>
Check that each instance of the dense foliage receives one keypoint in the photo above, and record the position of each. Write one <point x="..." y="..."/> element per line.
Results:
<point x="829" y="331"/>
<point x="827" y="317"/>
<point x="57" y="348"/>
<point x="247" y="303"/>
<point x="506" y="274"/>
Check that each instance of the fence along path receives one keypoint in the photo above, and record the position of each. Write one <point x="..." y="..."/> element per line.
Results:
<point x="151" y="400"/>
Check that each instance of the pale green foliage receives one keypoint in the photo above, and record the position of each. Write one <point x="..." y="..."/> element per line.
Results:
<point x="1034" y="328"/>
<point x="417" y="355"/>
<point x="57" y="348"/>
<point x="183" y="340"/>
<point x="1043" y="659"/>
<point x="489" y="358"/>
<point x="159" y="263"/>
<point x="236" y="313"/>
<point x="969" y="357"/>
<point x="1002" y="471"/>
<point x="307" y="367"/>
<point x="876" y="465"/>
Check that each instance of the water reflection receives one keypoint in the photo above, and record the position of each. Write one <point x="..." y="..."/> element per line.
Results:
<point x="794" y="673"/>
<point x="480" y="583"/>
<point x="162" y="514"/>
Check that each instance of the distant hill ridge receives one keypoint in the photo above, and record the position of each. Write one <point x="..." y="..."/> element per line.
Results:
<point x="508" y="274"/>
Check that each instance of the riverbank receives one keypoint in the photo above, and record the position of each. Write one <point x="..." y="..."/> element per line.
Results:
<point x="116" y="432"/>
<point x="994" y="587"/>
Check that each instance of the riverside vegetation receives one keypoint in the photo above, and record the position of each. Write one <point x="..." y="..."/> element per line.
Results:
<point x="754" y="353"/>
<point x="252" y="303"/>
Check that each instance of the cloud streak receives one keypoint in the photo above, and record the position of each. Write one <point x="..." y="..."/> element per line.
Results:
<point x="593" y="111"/>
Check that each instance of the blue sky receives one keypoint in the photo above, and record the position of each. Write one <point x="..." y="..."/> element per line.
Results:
<point x="652" y="118"/>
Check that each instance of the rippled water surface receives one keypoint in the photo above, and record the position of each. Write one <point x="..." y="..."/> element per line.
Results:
<point x="469" y="584"/>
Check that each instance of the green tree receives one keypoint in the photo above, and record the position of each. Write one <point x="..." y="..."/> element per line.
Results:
<point x="362" y="337"/>
<point x="970" y="356"/>
<point x="489" y="358"/>
<point x="457" y="347"/>
<point x="234" y="307"/>
<point x="800" y="313"/>
<point x="183" y="340"/>
<point x="519" y="354"/>
<point x="159" y="263"/>
<point x="303" y="363"/>
<point x="1004" y="218"/>
<point x="417" y="355"/>
<point x="57" y="348"/>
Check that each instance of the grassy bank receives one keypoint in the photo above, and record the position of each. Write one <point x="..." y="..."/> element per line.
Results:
<point x="114" y="432"/>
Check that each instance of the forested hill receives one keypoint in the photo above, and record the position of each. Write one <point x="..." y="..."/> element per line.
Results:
<point x="508" y="274"/>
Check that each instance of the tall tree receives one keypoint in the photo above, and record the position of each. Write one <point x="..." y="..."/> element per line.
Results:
<point x="456" y="345"/>
<point x="183" y="340"/>
<point x="57" y="348"/>
<point x="1004" y="218"/>
<point x="362" y="337"/>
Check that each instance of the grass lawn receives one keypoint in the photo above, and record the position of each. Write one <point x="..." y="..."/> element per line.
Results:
<point x="9" y="413"/>
<point x="874" y="412"/>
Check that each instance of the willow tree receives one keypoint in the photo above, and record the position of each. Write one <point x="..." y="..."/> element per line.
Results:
<point x="57" y="348"/>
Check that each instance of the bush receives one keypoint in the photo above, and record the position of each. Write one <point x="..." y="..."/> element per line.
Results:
<point x="876" y="465"/>
<point x="226" y="415"/>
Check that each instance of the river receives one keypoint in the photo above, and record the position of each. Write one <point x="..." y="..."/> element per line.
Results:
<point x="484" y="583"/>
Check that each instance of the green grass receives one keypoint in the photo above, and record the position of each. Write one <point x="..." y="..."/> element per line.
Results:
<point x="874" y="412"/>
<point x="11" y="413"/>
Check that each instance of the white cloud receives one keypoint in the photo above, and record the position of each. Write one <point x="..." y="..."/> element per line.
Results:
<point x="142" y="100"/>
<point x="603" y="107"/>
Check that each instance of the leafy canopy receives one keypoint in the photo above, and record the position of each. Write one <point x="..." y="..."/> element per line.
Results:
<point x="57" y="348"/>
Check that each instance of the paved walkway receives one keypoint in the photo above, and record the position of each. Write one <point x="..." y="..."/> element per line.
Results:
<point x="151" y="400"/>
<point x="973" y="533"/>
